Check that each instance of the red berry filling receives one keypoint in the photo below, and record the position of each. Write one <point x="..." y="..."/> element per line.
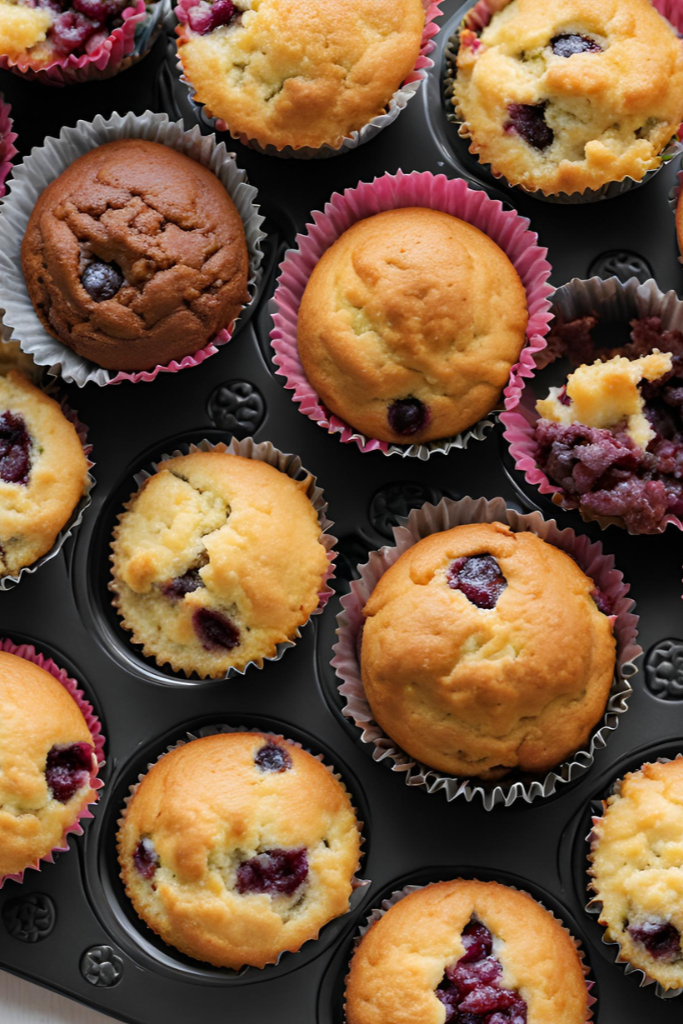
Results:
<point x="68" y="769"/>
<point x="146" y="858"/>
<point x="182" y="585"/>
<point x="102" y="280"/>
<point x="471" y="990"/>
<point x="80" y="26"/>
<point x="407" y="416"/>
<point x="206" y="17"/>
<point x="276" y="872"/>
<point x="528" y="121"/>
<point x="479" y="578"/>
<point x="660" y="938"/>
<point x="215" y="631"/>
<point x="567" y="44"/>
<point x="15" y="449"/>
<point x="272" y="758"/>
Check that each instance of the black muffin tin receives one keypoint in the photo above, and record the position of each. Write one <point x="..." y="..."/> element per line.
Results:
<point x="69" y="926"/>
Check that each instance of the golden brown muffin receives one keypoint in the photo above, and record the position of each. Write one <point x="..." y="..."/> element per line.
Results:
<point x="237" y="847"/>
<point x="566" y="95"/>
<point x="410" y="324"/>
<point x="47" y="759"/>
<point x="43" y="472"/>
<point x="518" y="959"/>
<point x="135" y="255"/>
<point x="300" y="72"/>
<point x="637" y="870"/>
<point x="483" y="650"/>
<point x="217" y="560"/>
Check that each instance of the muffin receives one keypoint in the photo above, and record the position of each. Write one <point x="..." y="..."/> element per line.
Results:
<point x="217" y="560"/>
<point x="135" y="256"/>
<point x="637" y="870"/>
<point x="409" y="325"/>
<point x="48" y="763"/>
<point x="237" y="847"/>
<point x="479" y="951"/>
<point x="43" y="472"/>
<point x="485" y="650"/>
<point x="570" y="95"/>
<point x="295" y="73"/>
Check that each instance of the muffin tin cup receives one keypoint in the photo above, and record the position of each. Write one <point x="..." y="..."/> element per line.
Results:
<point x="7" y="139"/>
<point x="396" y="104"/>
<point x="478" y="18"/>
<point x="615" y="300"/>
<point x="390" y="192"/>
<point x="432" y="519"/>
<point x="291" y="466"/>
<point x="29" y="653"/>
<point x="47" y="162"/>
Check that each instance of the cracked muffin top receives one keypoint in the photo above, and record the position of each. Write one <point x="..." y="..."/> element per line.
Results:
<point x="217" y="560"/>
<point x="299" y="72"/>
<point x="485" y="650"/>
<point x="237" y="847"/>
<point x="568" y="95"/>
<point x="135" y="255"/>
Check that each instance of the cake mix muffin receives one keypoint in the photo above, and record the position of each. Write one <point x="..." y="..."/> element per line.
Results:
<point x="135" y="255"/>
<point x="480" y="951"/>
<point x="40" y="32"/>
<point x="294" y="72"/>
<point x="237" y="847"/>
<point x="637" y="870"/>
<point x="410" y="324"/>
<point x="47" y="763"/>
<point x="485" y="650"/>
<point x="217" y="559"/>
<point x="43" y="472"/>
<point x="569" y="95"/>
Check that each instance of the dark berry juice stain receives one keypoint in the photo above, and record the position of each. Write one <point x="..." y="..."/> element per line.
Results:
<point x="67" y="769"/>
<point x="528" y="121"/>
<point x="203" y="20"/>
<point x="15" y="449"/>
<point x="479" y="578"/>
<point x="145" y="858"/>
<point x="102" y="280"/>
<point x="407" y="416"/>
<point x="215" y="631"/>
<point x="471" y="991"/>
<point x="277" y="872"/>
<point x="182" y="585"/>
<point x="660" y="938"/>
<point x="602" y="601"/>
<point x="272" y="758"/>
<point x="567" y="44"/>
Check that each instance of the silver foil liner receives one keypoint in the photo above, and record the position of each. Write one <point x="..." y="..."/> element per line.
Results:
<point x="434" y="519"/>
<point x="47" y="162"/>
<point x="291" y="466"/>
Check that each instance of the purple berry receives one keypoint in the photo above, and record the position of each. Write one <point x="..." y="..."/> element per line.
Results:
<point x="215" y="630"/>
<point x="70" y="31"/>
<point x="15" y="449"/>
<point x="96" y="10"/>
<point x="182" y="585"/>
<point x="146" y="858"/>
<point x="567" y="44"/>
<point x="407" y="416"/>
<point x="277" y="872"/>
<point x="479" y="578"/>
<point x="102" y="280"/>
<point x="206" y="17"/>
<point x="222" y="12"/>
<point x="272" y="758"/>
<point x="660" y="938"/>
<point x="528" y="121"/>
<point x="476" y="938"/>
<point x="68" y="769"/>
<point x="602" y="601"/>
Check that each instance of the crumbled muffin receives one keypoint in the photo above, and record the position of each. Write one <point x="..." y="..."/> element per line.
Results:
<point x="47" y="761"/>
<point x="637" y="870"/>
<point x="42" y="31"/>
<point x="217" y="560"/>
<point x="135" y="255"/>
<point x="237" y="847"/>
<point x="480" y="951"/>
<point x="568" y="95"/>
<point x="296" y="73"/>
<point x="484" y="650"/>
<point x="43" y="472"/>
<point x="410" y="324"/>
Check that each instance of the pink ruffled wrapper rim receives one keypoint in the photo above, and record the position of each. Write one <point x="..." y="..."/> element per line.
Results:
<point x="210" y="349"/>
<point x="7" y="139"/>
<point x="506" y="228"/>
<point x="29" y="653"/>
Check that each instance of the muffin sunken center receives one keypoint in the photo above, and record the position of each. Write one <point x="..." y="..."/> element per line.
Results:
<point x="471" y="991"/>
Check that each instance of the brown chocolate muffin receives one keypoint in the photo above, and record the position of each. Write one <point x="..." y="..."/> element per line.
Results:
<point x="135" y="255"/>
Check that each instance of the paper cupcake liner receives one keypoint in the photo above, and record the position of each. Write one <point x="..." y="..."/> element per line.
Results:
<point x="292" y="467"/>
<point x="378" y="913"/>
<point x="7" y="139"/>
<point x="29" y="653"/>
<point x="389" y="192"/>
<point x="42" y="166"/>
<point x="434" y="519"/>
<point x="478" y="18"/>
<point x="125" y="45"/>
<point x="614" y="300"/>
<point x="396" y="104"/>
<point x="357" y="883"/>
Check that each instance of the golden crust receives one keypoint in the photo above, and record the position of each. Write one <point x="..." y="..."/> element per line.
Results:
<point x="402" y="958"/>
<point x="612" y="112"/>
<point x="477" y="692"/>
<point x="412" y="303"/>
<point x="207" y="807"/>
<point x="21" y="28"/>
<point x="32" y="514"/>
<point x="297" y="73"/>
<point x="37" y="714"/>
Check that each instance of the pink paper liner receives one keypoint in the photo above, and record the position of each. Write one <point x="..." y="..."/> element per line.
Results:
<point x="7" y="140"/>
<point x="29" y="653"/>
<point x="393" y="191"/>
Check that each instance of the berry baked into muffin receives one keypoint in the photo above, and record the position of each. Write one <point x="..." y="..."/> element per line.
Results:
<point x="296" y="72"/>
<point x="43" y="472"/>
<point x="47" y="760"/>
<point x="567" y="95"/>
<point x="237" y="847"/>
<point x="637" y="870"/>
<point x="217" y="560"/>
<point x="135" y="255"/>
<point x="485" y="650"/>
<point x="41" y="32"/>
<point x="410" y="324"/>
<point x="467" y="952"/>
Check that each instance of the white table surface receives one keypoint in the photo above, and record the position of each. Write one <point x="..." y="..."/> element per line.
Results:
<point x="24" y="1003"/>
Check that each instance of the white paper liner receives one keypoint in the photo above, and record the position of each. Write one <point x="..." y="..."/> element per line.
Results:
<point x="434" y="519"/>
<point x="47" y="162"/>
<point x="292" y="467"/>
